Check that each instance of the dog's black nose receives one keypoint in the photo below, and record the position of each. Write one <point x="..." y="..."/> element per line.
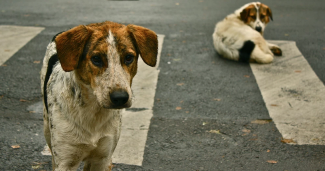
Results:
<point x="259" y="29"/>
<point x="119" y="98"/>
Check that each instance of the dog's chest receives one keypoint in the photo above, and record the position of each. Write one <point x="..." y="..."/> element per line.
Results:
<point x="76" y="118"/>
<point x="84" y="127"/>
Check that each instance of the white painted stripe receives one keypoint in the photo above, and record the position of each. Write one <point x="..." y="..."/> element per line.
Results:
<point x="135" y="124"/>
<point x="46" y="150"/>
<point x="294" y="95"/>
<point x="12" y="38"/>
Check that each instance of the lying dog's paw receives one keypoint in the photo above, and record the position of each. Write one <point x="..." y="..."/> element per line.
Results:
<point x="276" y="51"/>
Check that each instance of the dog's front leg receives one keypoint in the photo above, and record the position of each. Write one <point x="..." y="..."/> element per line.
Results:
<point x="47" y="135"/>
<point x="67" y="157"/>
<point x="104" y="164"/>
<point x="275" y="49"/>
<point x="101" y="157"/>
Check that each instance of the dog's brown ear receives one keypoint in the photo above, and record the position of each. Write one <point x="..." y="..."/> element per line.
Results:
<point x="248" y="14"/>
<point x="265" y="10"/>
<point x="147" y="43"/>
<point x="70" y="45"/>
<point x="269" y="13"/>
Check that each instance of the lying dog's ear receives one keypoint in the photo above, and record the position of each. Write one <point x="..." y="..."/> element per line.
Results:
<point x="248" y="14"/>
<point x="269" y="13"/>
<point x="265" y="10"/>
<point x="146" y="42"/>
<point x="70" y="45"/>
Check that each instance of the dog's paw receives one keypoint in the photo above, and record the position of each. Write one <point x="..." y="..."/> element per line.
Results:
<point x="276" y="51"/>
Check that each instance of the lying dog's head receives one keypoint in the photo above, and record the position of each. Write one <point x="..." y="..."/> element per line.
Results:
<point x="104" y="56"/>
<point x="256" y="15"/>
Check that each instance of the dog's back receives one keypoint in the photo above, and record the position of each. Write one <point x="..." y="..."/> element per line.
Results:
<point x="230" y="41"/>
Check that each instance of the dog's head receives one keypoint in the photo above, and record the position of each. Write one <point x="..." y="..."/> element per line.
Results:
<point x="104" y="56"/>
<point x="256" y="15"/>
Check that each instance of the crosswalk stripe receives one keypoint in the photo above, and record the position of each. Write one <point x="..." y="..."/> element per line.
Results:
<point x="12" y="38"/>
<point x="294" y="95"/>
<point x="135" y="120"/>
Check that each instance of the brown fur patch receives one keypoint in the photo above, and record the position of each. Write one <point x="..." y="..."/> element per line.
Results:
<point x="265" y="14"/>
<point x="70" y="45"/>
<point x="248" y="14"/>
<point x="276" y="51"/>
<point x="147" y="43"/>
<point x="97" y="46"/>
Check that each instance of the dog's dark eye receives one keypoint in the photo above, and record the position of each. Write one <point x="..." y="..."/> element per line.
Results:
<point x="128" y="59"/>
<point x="96" y="60"/>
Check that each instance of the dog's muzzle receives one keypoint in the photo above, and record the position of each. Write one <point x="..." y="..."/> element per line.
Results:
<point x="119" y="98"/>
<point x="259" y="29"/>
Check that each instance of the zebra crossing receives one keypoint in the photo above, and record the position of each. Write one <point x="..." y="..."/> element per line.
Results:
<point x="294" y="96"/>
<point x="291" y="91"/>
<point x="12" y="38"/>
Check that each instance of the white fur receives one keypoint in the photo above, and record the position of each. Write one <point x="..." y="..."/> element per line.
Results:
<point x="231" y="33"/>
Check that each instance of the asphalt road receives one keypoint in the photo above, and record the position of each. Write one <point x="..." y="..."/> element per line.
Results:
<point x="192" y="76"/>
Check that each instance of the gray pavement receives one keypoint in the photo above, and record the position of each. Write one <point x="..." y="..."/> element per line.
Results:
<point x="206" y="133"/>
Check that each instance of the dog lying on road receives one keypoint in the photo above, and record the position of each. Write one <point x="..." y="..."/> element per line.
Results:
<point x="86" y="80"/>
<point x="239" y="36"/>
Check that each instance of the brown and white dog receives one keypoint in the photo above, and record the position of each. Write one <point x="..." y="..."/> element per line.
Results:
<point x="86" y="80"/>
<point x="239" y="36"/>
